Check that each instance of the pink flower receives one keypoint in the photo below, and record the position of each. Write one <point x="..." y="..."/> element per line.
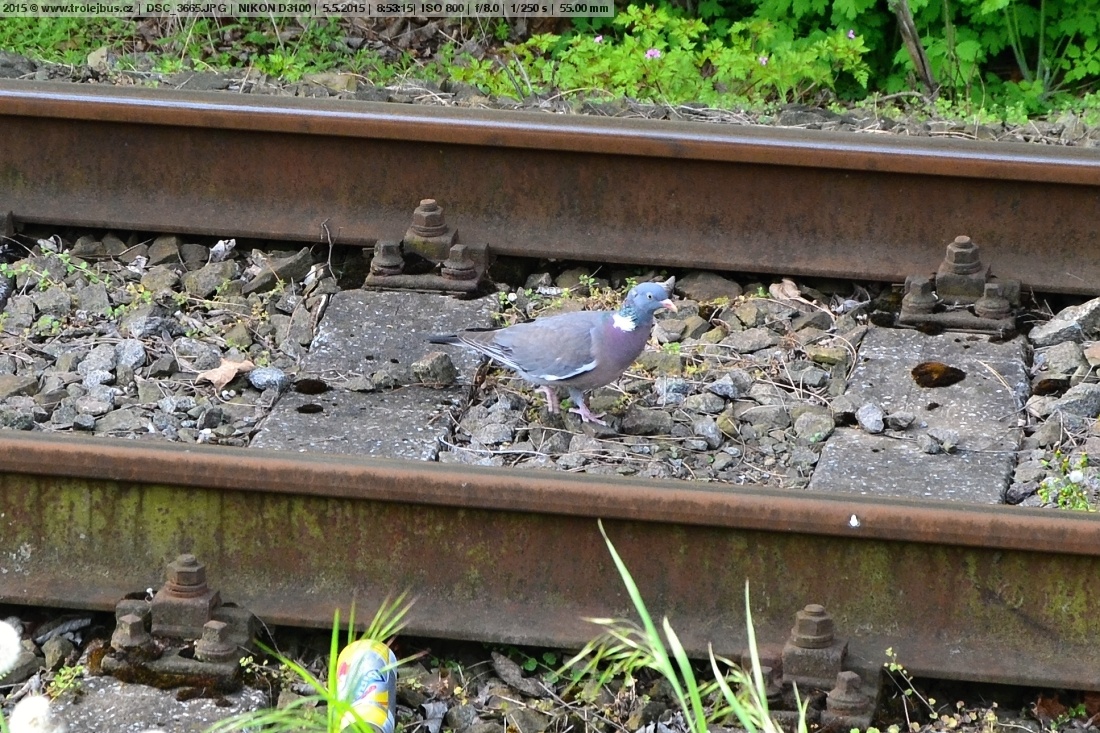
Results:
<point x="763" y="60"/>
<point x="598" y="39"/>
<point x="851" y="35"/>
<point x="653" y="54"/>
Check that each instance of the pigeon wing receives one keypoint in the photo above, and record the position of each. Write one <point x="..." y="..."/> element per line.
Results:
<point x="547" y="350"/>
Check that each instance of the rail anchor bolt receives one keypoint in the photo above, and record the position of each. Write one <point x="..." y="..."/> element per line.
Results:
<point x="846" y="704"/>
<point x="185" y="602"/>
<point x="813" y="655"/>
<point x="919" y="297"/>
<point x="215" y="646"/>
<point x="387" y="259"/>
<point x="993" y="303"/>
<point x="429" y="236"/>
<point x="459" y="265"/>
<point x="130" y="634"/>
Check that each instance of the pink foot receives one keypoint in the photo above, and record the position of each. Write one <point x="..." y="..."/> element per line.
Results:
<point x="587" y="415"/>
<point x="552" y="403"/>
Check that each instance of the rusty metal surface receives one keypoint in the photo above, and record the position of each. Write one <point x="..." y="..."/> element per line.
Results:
<point x="662" y="193"/>
<point x="996" y="593"/>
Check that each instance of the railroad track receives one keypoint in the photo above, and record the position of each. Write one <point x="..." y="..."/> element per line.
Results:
<point x="973" y="592"/>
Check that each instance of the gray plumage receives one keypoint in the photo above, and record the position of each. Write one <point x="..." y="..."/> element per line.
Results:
<point x="578" y="351"/>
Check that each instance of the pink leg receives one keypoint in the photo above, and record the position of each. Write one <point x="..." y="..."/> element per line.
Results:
<point x="551" y="399"/>
<point x="582" y="410"/>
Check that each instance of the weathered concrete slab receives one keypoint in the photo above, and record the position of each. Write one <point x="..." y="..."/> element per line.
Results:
<point x="361" y="333"/>
<point x="982" y="409"/>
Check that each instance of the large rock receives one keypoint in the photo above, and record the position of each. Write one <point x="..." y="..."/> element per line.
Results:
<point x="698" y="285"/>
<point x="1075" y="323"/>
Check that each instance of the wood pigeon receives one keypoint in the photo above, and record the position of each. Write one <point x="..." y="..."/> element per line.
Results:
<point x="579" y="351"/>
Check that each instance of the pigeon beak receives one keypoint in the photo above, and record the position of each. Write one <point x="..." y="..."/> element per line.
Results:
<point x="667" y="303"/>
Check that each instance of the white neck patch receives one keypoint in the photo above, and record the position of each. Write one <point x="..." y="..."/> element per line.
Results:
<point x="623" y="323"/>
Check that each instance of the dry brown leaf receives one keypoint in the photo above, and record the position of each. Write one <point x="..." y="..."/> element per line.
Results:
<point x="1047" y="709"/>
<point x="225" y="372"/>
<point x="785" y="290"/>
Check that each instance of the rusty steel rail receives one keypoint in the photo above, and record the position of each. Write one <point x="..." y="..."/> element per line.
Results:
<point x="993" y="593"/>
<point x="629" y="191"/>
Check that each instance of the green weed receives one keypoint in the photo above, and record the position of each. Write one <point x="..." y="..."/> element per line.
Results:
<point x="625" y="647"/>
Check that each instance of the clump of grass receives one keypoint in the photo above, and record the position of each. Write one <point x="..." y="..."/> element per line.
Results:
<point x="326" y="710"/>
<point x="625" y="647"/>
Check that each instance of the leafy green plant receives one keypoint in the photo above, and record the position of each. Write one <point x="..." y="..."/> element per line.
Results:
<point x="661" y="56"/>
<point x="1067" y="487"/>
<point x="324" y="710"/>
<point x="625" y="647"/>
<point x="66" y="679"/>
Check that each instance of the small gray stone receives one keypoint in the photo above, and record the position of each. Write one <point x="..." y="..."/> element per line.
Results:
<point x="707" y="403"/>
<point x="811" y="378"/>
<point x="493" y="434"/>
<point x="817" y="319"/>
<point x="900" y="420"/>
<point x="263" y="378"/>
<point x="1050" y="433"/>
<point x="25" y="664"/>
<point x="163" y="366"/>
<point x="194" y="255"/>
<point x="210" y="418"/>
<point x="768" y="417"/>
<point x="130" y="353"/>
<point x="844" y="408"/>
<point x="695" y="326"/>
<point x="671" y="390"/>
<point x="160" y="278"/>
<point x="56" y="651"/>
<point x="948" y="439"/>
<point x="176" y="404"/>
<point x="121" y="421"/>
<point x="165" y="250"/>
<point x="84" y="423"/>
<point x="669" y="330"/>
<point x="435" y="369"/>
<point x="1082" y="400"/>
<point x="701" y="285"/>
<point x="198" y="355"/>
<point x="94" y="299"/>
<point x="871" y="418"/>
<point x="148" y="320"/>
<point x="275" y="270"/>
<point x="1075" y="323"/>
<point x="13" y="384"/>
<point x="732" y="385"/>
<point x="96" y="377"/>
<point x="707" y="429"/>
<point x="54" y="301"/>
<point x="100" y="359"/>
<point x="814" y="426"/>
<point x="570" y="461"/>
<point x="205" y="281"/>
<point x="460" y="717"/>
<point x="1060" y="360"/>
<point x="639" y="420"/>
<point x="88" y="405"/>
<point x="751" y="339"/>
<point x="696" y="444"/>
<point x="15" y="418"/>
<point x="928" y="444"/>
<point x="803" y="458"/>
<point x="1017" y="492"/>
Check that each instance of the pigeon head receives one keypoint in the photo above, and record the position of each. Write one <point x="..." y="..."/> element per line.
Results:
<point x="646" y="299"/>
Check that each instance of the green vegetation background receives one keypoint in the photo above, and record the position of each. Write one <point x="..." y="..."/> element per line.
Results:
<point x="988" y="60"/>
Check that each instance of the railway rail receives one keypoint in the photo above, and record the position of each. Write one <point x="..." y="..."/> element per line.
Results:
<point x="973" y="592"/>
<point x="660" y="193"/>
